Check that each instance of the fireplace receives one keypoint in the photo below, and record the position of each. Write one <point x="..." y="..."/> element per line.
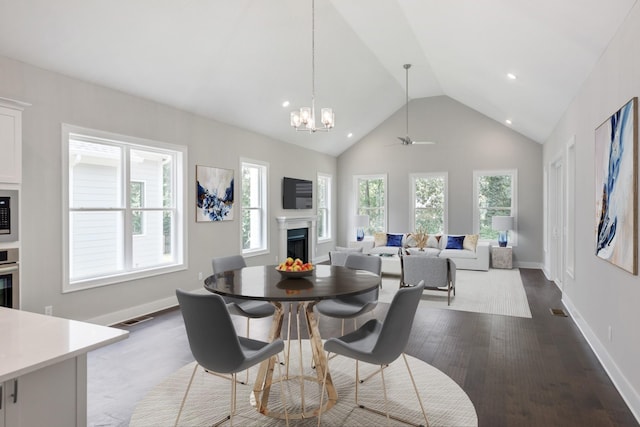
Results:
<point x="298" y="243"/>
<point x="286" y="224"/>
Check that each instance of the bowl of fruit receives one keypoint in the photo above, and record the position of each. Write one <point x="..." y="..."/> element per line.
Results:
<point x="294" y="268"/>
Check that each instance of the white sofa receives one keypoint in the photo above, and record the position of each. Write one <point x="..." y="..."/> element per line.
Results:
<point x="465" y="258"/>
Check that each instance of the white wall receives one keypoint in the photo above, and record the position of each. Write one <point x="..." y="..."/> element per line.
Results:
<point x="600" y="295"/>
<point x="466" y="141"/>
<point x="59" y="99"/>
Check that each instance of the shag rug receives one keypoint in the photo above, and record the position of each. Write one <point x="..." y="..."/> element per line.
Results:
<point x="446" y="404"/>
<point x="495" y="291"/>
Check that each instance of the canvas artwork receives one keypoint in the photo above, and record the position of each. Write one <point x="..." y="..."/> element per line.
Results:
<point x="616" y="173"/>
<point x="215" y="194"/>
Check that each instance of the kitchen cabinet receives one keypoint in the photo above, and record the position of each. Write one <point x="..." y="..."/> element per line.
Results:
<point x="47" y="396"/>
<point x="11" y="140"/>
<point x="44" y="360"/>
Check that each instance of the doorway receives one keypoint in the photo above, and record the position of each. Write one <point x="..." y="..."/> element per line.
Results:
<point x="556" y="227"/>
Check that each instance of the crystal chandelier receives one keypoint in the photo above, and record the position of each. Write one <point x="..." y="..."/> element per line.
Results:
<point x="305" y="118"/>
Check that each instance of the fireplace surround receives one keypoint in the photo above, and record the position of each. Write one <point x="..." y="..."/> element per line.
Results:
<point x="293" y="223"/>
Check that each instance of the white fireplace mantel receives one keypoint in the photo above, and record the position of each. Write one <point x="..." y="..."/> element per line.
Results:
<point x="290" y="223"/>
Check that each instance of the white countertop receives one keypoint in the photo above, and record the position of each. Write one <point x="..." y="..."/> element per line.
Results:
<point x="30" y="341"/>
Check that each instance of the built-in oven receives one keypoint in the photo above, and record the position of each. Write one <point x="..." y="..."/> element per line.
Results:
<point x="9" y="278"/>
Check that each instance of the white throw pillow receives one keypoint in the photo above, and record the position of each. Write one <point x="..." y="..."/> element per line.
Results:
<point x="470" y="242"/>
<point x="434" y="241"/>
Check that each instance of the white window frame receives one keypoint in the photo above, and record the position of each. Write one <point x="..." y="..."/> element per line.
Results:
<point x="477" y="174"/>
<point x="264" y="198"/>
<point x="412" y="183"/>
<point x="179" y="153"/>
<point x="385" y="209"/>
<point x="142" y="217"/>
<point x="327" y="197"/>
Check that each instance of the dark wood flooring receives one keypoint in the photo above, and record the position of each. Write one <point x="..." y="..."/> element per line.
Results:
<point x="516" y="371"/>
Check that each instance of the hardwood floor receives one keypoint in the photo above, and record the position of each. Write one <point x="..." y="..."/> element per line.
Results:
<point x="516" y="371"/>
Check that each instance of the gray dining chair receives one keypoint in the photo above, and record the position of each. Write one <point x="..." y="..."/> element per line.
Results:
<point x="350" y="307"/>
<point x="380" y="343"/>
<point x="210" y="329"/>
<point x="241" y="307"/>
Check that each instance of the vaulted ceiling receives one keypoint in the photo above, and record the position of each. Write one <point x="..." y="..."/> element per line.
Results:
<point x="238" y="61"/>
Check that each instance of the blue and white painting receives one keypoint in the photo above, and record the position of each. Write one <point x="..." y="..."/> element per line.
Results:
<point x="215" y="194"/>
<point x="616" y="188"/>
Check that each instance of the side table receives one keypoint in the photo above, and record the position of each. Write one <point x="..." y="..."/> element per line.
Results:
<point x="501" y="257"/>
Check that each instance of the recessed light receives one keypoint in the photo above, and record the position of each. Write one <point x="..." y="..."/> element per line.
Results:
<point x="350" y="134"/>
<point x="512" y="76"/>
<point x="285" y="104"/>
<point x="508" y="121"/>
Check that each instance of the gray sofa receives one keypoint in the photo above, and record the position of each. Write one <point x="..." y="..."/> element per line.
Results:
<point x="461" y="248"/>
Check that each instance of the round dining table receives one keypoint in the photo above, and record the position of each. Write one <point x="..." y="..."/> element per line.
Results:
<point x="265" y="283"/>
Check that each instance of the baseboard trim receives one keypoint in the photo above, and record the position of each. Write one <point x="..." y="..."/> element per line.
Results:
<point x="534" y="265"/>
<point x="120" y="316"/>
<point x="626" y="390"/>
<point x="321" y="258"/>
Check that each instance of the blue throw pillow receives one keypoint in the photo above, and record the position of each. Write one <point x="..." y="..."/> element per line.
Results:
<point x="394" y="240"/>
<point x="455" y="242"/>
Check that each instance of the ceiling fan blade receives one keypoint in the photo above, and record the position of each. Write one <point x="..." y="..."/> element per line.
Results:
<point x="408" y="141"/>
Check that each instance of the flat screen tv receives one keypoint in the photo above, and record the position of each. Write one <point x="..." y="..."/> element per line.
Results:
<point x="297" y="193"/>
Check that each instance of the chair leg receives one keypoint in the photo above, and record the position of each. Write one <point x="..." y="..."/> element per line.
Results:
<point x="386" y="411"/>
<point x="384" y="392"/>
<point x="357" y="382"/>
<point x="324" y="387"/>
<point x="286" y="358"/>
<point x="247" y="377"/>
<point x="404" y="356"/>
<point x="373" y="373"/>
<point x="233" y="398"/>
<point x="184" y="398"/>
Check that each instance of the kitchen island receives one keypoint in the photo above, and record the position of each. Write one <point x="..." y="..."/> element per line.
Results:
<point x="43" y="367"/>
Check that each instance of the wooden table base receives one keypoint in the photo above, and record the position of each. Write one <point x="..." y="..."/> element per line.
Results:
<point x="264" y="379"/>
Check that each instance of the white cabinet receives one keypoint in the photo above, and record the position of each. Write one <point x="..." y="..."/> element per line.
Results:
<point x="44" y="358"/>
<point x="47" y="396"/>
<point x="11" y="140"/>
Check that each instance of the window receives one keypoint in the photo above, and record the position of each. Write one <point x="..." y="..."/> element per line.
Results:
<point x="494" y="194"/>
<point x="371" y="193"/>
<point x="254" y="207"/>
<point x="324" y="207"/>
<point x="429" y="195"/>
<point x="125" y="208"/>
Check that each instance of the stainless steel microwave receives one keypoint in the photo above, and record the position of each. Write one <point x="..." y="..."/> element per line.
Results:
<point x="9" y="215"/>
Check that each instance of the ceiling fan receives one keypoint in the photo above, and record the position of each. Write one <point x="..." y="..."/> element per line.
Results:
<point x="406" y="140"/>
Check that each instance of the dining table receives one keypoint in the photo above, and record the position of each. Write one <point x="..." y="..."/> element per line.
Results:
<point x="266" y="283"/>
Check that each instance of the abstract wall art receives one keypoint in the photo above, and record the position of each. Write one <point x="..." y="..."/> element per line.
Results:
<point x="616" y="178"/>
<point x="214" y="200"/>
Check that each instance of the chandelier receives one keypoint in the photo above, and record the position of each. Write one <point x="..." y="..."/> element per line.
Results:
<point x="305" y="119"/>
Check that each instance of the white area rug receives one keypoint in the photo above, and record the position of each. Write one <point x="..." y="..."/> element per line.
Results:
<point x="493" y="292"/>
<point x="446" y="404"/>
